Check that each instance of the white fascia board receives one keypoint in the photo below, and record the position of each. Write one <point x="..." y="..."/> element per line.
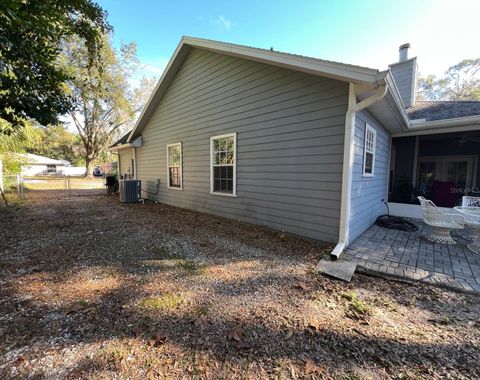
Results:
<point x="444" y="122"/>
<point x="397" y="98"/>
<point x="438" y="128"/>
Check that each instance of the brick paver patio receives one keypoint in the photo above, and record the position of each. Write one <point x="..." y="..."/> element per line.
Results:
<point x="409" y="255"/>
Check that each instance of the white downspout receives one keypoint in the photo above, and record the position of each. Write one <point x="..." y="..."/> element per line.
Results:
<point x="348" y="150"/>
<point x="119" y="169"/>
<point x="135" y="162"/>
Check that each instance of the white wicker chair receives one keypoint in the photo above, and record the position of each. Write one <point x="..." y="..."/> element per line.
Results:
<point x="442" y="223"/>
<point x="470" y="201"/>
<point x="472" y="224"/>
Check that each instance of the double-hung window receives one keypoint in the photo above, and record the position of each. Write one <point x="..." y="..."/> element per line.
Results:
<point x="223" y="153"/>
<point x="369" y="151"/>
<point x="175" y="166"/>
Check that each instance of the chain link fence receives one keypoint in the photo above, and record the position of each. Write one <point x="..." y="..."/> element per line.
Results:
<point x="17" y="187"/>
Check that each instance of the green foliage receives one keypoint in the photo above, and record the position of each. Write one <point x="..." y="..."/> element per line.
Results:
<point x="106" y="102"/>
<point x="59" y="143"/>
<point x="54" y="141"/>
<point x="460" y="82"/>
<point x="32" y="84"/>
<point x="17" y="142"/>
<point x="356" y="305"/>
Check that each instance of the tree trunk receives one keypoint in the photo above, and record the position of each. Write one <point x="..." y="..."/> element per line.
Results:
<point x="89" y="166"/>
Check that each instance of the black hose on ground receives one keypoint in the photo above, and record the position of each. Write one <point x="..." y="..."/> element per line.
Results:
<point x="395" y="223"/>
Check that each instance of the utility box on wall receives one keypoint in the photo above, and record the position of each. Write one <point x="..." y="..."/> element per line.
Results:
<point x="130" y="190"/>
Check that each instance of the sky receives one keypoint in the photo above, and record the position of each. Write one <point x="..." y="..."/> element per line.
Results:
<point x="361" y="32"/>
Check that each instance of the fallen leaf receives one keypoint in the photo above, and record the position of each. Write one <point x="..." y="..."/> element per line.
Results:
<point x="90" y="309"/>
<point x="20" y="360"/>
<point x="76" y="307"/>
<point x="236" y="333"/>
<point x="243" y="345"/>
<point x="200" y="321"/>
<point x="314" y="325"/>
<point x="303" y="286"/>
<point x="157" y="340"/>
<point x="311" y="367"/>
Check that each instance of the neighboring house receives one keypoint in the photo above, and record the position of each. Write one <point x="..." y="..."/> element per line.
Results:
<point x="39" y="165"/>
<point x="298" y="144"/>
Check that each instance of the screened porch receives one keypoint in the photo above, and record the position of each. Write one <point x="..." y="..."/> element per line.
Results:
<point x="441" y="167"/>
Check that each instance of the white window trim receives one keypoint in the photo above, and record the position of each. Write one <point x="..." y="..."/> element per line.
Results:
<point x="234" y="135"/>
<point x="373" y="151"/>
<point x="181" y="167"/>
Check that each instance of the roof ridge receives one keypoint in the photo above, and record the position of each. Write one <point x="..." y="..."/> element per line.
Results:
<point x="282" y="52"/>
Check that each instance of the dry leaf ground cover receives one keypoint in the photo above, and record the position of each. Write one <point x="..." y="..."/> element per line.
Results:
<point x="91" y="288"/>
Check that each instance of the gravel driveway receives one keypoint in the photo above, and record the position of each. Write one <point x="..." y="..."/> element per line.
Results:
<point x="92" y="288"/>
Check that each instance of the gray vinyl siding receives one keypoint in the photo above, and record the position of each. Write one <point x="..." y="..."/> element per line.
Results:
<point x="290" y="131"/>
<point x="125" y="159"/>
<point x="367" y="192"/>
<point x="404" y="74"/>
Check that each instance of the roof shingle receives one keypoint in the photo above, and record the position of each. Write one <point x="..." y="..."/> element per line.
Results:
<point x="440" y="110"/>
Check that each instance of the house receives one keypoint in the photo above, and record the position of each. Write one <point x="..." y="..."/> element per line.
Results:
<point x="39" y="165"/>
<point x="307" y="146"/>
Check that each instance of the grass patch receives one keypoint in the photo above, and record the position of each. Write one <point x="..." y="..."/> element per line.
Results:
<point x="163" y="254"/>
<point x="191" y="267"/>
<point x="165" y="302"/>
<point x="203" y="310"/>
<point x="357" y="306"/>
<point x="179" y="261"/>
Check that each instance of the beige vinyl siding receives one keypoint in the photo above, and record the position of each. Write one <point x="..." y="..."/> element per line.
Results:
<point x="289" y="129"/>
<point x="125" y="160"/>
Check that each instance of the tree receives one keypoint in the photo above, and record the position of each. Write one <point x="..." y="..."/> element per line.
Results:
<point x="32" y="84"/>
<point x="106" y="103"/>
<point x="460" y="82"/>
<point x="59" y="143"/>
<point x="18" y="141"/>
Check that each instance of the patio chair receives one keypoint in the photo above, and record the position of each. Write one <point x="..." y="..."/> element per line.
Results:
<point x="470" y="201"/>
<point x="471" y="223"/>
<point x="442" y="223"/>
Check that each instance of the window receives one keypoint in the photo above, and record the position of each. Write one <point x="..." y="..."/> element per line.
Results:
<point x="51" y="168"/>
<point x="223" y="150"/>
<point x="369" y="153"/>
<point x="175" y="166"/>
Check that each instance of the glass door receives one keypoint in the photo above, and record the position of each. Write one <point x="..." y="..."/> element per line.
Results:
<point x="456" y="169"/>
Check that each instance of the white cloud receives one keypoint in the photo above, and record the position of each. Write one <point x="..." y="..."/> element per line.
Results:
<point x="224" y="23"/>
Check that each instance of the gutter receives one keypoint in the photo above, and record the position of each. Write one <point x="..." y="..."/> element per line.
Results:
<point x="348" y="151"/>
<point x="421" y="124"/>
<point x="134" y="144"/>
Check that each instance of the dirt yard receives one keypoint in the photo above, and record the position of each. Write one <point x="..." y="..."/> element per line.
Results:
<point x="91" y="288"/>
